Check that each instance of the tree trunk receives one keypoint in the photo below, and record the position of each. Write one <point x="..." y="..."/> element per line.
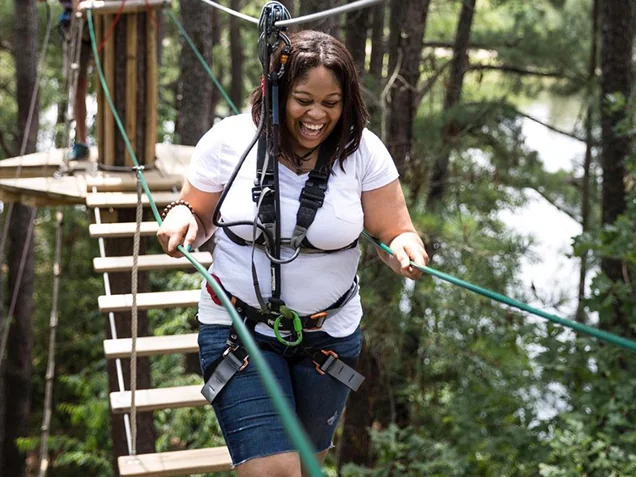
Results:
<point x="458" y="67"/>
<point x="356" y="36"/>
<point x="194" y="107"/>
<point x="408" y="22"/>
<point x="17" y="366"/>
<point x="236" y="53"/>
<point x="587" y="164"/>
<point x="215" y="35"/>
<point x="617" y="37"/>
<point x="121" y="283"/>
<point x="373" y="79"/>
<point x="330" y="24"/>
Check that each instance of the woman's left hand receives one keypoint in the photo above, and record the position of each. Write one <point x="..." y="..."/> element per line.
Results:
<point x="408" y="247"/>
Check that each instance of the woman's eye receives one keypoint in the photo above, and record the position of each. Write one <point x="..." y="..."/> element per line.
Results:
<point x="304" y="102"/>
<point x="331" y="105"/>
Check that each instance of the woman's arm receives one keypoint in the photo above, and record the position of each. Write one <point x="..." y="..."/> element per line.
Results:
<point x="181" y="227"/>
<point x="387" y="219"/>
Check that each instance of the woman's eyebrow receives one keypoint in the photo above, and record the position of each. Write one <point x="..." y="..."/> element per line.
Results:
<point x="300" y="91"/>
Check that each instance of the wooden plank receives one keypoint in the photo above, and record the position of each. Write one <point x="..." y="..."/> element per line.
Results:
<point x="128" y="182"/>
<point x="107" y="114"/>
<point x="118" y="200"/>
<point x="152" y="346"/>
<point x="151" y="88"/>
<point x="131" y="85"/>
<point x="146" y="301"/>
<point x="147" y="400"/>
<point x="172" y="464"/>
<point x="122" y="229"/>
<point x="148" y="262"/>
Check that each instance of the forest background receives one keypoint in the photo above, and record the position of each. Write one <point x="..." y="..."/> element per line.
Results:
<point x="457" y="385"/>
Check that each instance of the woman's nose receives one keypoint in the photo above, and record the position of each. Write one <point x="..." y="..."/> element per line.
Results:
<point x="316" y="112"/>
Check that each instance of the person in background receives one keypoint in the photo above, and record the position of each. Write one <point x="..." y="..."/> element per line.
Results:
<point x="80" y="147"/>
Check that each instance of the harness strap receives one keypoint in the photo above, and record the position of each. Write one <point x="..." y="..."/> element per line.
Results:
<point x="327" y="362"/>
<point x="234" y="360"/>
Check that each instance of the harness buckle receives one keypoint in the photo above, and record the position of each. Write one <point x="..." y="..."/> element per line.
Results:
<point x="232" y="349"/>
<point x="319" y="319"/>
<point x="324" y="367"/>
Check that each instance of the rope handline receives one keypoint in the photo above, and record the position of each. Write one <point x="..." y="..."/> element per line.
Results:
<point x="50" y="367"/>
<point x="199" y="56"/>
<point x="27" y="132"/>
<point x="600" y="334"/>
<point x="134" y="318"/>
<point x="295" y="431"/>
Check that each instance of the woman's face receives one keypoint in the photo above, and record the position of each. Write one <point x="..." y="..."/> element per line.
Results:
<point x="313" y="108"/>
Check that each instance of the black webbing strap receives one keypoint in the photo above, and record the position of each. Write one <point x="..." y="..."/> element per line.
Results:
<point x="327" y="362"/>
<point x="234" y="360"/>
<point x="311" y="198"/>
<point x="267" y="209"/>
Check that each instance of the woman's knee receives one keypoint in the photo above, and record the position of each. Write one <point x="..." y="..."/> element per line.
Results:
<point x="278" y="465"/>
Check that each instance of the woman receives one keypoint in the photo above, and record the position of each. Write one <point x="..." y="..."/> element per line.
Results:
<point x="322" y="112"/>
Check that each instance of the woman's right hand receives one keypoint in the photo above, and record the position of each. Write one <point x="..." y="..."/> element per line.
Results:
<point x="180" y="227"/>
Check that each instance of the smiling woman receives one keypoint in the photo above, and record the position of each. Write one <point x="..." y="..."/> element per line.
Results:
<point x="336" y="178"/>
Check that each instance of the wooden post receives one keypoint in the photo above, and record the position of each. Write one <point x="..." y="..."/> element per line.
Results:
<point x="127" y="37"/>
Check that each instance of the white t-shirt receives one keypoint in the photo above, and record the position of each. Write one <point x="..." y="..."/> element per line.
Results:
<point x="313" y="281"/>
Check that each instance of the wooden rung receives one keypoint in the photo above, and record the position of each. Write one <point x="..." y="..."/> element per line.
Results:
<point x="161" y="398"/>
<point x="148" y="262"/>
<point x="123" y="229"/>
<point x="152" y="346"/>
<point x="118" y="200"/>
<point x="173" y="464"/>
<point x="145" y="301"/>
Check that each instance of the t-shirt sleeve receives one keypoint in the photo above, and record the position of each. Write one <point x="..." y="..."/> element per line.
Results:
<point x="378" y="166"/>
<point x="207" y="163"/>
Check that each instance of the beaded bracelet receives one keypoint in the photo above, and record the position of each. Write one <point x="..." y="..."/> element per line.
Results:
<point x="174" y="204"/>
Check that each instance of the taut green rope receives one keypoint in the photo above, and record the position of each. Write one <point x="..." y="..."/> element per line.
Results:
<point x="202" y="60"/>
<point x="600" y="334"/>
<point x="293" y="428"/>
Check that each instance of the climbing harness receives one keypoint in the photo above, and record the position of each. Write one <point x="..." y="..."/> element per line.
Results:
<point x="266" y="194"/>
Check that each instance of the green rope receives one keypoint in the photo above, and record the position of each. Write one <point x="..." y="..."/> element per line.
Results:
<point x="293" y="428"/>
<point x="202" y="60"/>
<point x="600" y="334"/>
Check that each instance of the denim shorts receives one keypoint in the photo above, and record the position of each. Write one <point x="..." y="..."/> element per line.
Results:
<point x="248" y="419"/>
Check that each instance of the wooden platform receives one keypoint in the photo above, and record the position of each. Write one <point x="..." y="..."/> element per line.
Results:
<point x="171" y="464"/>
<point x="30" y="179"/>
<point x="123" y="229"/>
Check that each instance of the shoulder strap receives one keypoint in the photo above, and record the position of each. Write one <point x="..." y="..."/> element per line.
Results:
<point x="311" y="197"/>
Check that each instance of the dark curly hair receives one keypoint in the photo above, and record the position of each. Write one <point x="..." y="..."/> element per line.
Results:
<point x="310" y="49"/>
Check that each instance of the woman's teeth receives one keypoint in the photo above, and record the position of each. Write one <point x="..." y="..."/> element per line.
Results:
<point x="311" y="129"/>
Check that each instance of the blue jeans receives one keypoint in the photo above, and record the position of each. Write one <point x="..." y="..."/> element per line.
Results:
<point x="246" y="415"/>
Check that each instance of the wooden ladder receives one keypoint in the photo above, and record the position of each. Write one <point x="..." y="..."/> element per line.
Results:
<point x="165" y="464"/>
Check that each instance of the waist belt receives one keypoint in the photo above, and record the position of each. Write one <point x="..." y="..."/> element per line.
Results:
<point x="309" y="322"/>
<point x="236" y="358"/>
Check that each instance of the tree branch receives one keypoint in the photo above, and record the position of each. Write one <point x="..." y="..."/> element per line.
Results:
<point x="517" y="70"/>
<point x="430" y="82"/>
<point x="550" y="127"/>
<point x="553" y="202"/>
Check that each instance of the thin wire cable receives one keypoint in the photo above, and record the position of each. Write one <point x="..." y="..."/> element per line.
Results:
<point x="600" y="334"/>
<point x="16" y="287"/>
<point x="50" y="367"/>
<point x="113" y="329"/>
<point x="328" y="13"/>
<point x="240" y="15"/>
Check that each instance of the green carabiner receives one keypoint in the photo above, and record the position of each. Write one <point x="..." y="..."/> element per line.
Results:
<point x="298" y="327"/>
